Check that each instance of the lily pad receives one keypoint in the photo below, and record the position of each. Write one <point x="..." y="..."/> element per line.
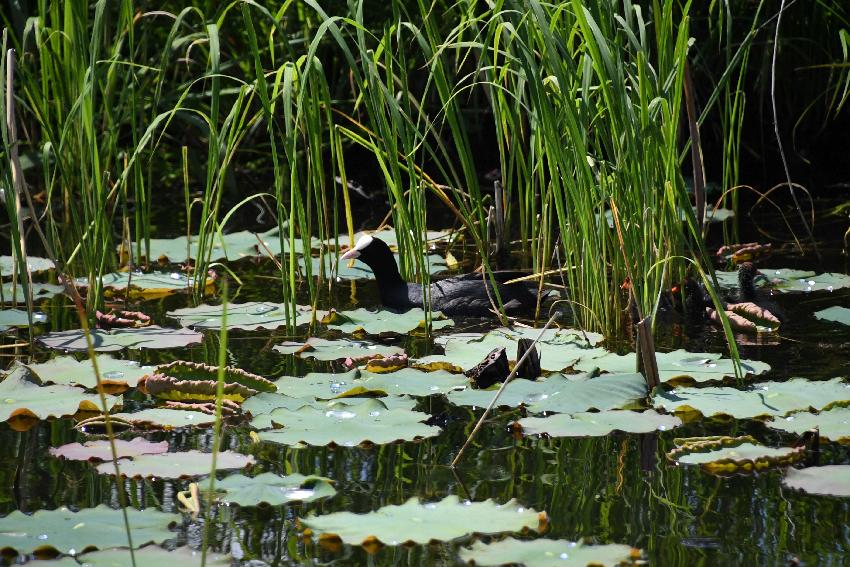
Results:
<point x="101" y="450"/>
<point x="317" y="385"/>
<point x="183" y="464"/>
<point x="369" y="422"/>
<point x="147" y="286"/>
<point x="69" y="532"/>
<point x="231" y="246"/>
<point x="381" y="321"/>
<point x="245" y="316"/>
<point x="323" y="349"/>
<point x="760" y="400"/>
<point x="829" y="480"/>
<point x="164" y="418"/>
<point x="13" y="318"/>
<point x="548" y="553"/>
<point x="333" y="268"/>
<point x="415" y="522"/>
<point x="389" y="236"/>
<point x="21" y="398"/>
<point x="788" y="280"/>
<point x="274" y="490"/>
<point x="267" y="403"/>
<point x="34" y="264"/>
<point x="153" y="556"/>
<point x="598" y="424"/>
<point x="39" y="291"/>
<point x="561" y="394"/>
<point x="833" y="424"/>
<point x="68" y="370"/>
<point x="835" y="314"/>
<point x="558" y="348"/>
<point x="726" y="455"/>
<point x="118" y="339"/>
<point x="676" y="367"/>
<point x="192" y="381"/>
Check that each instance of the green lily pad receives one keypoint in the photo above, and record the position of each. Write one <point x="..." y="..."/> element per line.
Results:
<point x="182" y="464"/>
<point x="679" y="366"/>
<point x="835" y="314"/>
<point x="381" y="321"/>
<point x="369" y="421"/>
<point x="267" y="403"/>
<point x="34" y="264"/>
<point x="274" y="490"/>
<point x="829" y="480"/>
<point x="68" y="370"/>
<point x="389" y="236"/>
<point x="21" y="398"/>
<point x="118" y="339"/>
<point x="788" y="280"/>
<point x="245" y="316"/>
<point x="102" y="451"/>
<point x="39" y="291"/>
<point x="558" y="348"/>
<point x="833" y="424"/>
<point x="318" y="385"/>
<point x="154" y="284"/>
<point x="152" y="556"/>
<point x="761" y="400"/>
<point x="547" y="553"/>
<point x="561" y="394"/>
<point x="165" y="418"/>
<point x="598" y="424"/>
<point x="333" y="268"/>
<point x="71" y="533"/>
<point x="13" y="318"/>
<point x="421" y="523"/>
<point x="726" y="455"/>
<point x="231" y="246"/>
<point x="323" y="349"/>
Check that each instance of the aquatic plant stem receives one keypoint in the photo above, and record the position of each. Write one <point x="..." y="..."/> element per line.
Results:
<point x="502" y="389"/>
<point x="219" y="395"/>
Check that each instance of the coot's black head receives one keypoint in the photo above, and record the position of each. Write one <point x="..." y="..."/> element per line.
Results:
<point x="375" y="253"/>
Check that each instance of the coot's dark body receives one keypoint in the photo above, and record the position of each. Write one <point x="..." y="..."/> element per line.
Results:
<point x="747" y="291"/>
<point x="461" y="295"/>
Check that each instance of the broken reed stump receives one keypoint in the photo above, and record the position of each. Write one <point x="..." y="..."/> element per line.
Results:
<point x="529" y="368"/>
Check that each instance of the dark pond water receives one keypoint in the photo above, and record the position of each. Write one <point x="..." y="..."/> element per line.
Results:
<point x="617" y="489"/>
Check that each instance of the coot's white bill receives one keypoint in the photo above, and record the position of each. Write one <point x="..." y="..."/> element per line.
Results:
<point x="364" y="241"/>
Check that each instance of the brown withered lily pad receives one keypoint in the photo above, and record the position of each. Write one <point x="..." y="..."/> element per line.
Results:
<point x="745" y="252"/>
<point x="183" y="464"/>
<point x="122" y="319"/>
<point x="102" y="451"/>
<point x="747" y="317"/>
<point x="228" y="407"/>
<point x="192" y="381"/>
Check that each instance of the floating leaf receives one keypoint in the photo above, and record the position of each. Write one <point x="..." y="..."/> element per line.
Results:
<point x="231" y="246"/>
<point x="558" y="348"/>
<point x="323" y="349"/>
<point x="598" y="424"/>
<point x="726" y="455"/>
<point x="760" y="400"/>
<point x="39" y="291"/>
<point x="245" y="316"/>
<point x="679" y="366"/>
<point x="267" y="403"/>
<point x="102" y="451"/>
<point x="115" y="374"/>
<point x="333" y="268"/>
<point x="34" y="264"/>
<point x="381" y="321"/>
<point x="152" y="556"/>
<point x="347" y="426"/>
<point x="414" y="522"/>
<point x="829" y="480"/>
<point x="274" y="490"/>
<point x="118" y="339"/>
<point x="164" y="418"/>
<point x="833" y="424"/>
<point x="182" y="464"/>
<point x="788" y="280"/>
<point x="389" y="236"/>
<point x="69" y="532"/>
<point x="21" y="398"/>
<point x="146" y="286"/>
<point x="317" y="385"/>
<point x="13" y="318"/>
<point x="835" y="313"/>
<point x="181" y="381"/>
<point x="561" y="394"/>
<point x="548" y="553"/>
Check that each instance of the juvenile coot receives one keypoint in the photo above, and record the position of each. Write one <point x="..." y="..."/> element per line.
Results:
<point x="460" y="295"/>
<point x="747" y="291"/>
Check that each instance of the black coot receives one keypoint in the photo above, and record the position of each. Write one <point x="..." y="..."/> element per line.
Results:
<point x="460" y="295"/>
<point x="747" y="291"/>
